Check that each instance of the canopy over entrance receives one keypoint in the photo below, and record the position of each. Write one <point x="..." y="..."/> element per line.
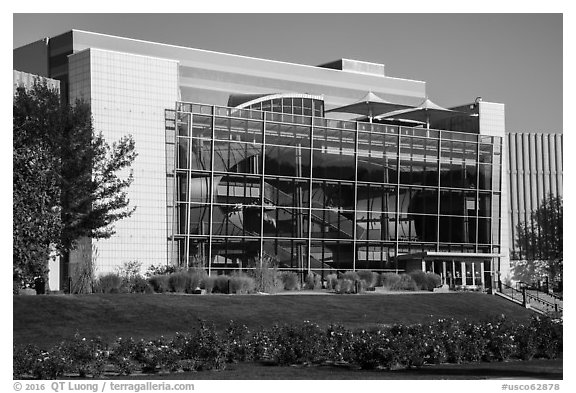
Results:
<point x="460" y="256"/>
<point x="456" y="269"/>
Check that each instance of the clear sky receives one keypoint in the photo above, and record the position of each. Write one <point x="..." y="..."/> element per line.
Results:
<point x="515" y="59"/>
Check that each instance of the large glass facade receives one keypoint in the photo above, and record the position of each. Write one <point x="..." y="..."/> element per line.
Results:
<point x="321" y="194"/>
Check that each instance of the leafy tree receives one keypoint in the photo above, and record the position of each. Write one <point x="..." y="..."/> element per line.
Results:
<point x="93" y="194"/>
<point x="69" y="182"/>
<point x="540" y="242"/>
<point x="36" y="191"/>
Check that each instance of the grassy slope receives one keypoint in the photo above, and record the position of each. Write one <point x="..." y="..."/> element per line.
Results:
<point x="516" y="369"/>
<point x="46" y="320"/>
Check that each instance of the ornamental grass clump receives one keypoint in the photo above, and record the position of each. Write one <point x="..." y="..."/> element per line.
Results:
<point x="208" y="284"/>
<point x="221" y="284"/>
<point x="331" y="281"/>
<point x="242" y="284"/>
<point x="290" y="280"/>
<point x="266" y="275"/>
<point x="179" y="281"/>
<point x="108" y="283"/>
<point x="160" y="283"/>
<point x="195" y="278"/>
<point x="405" y="283"/>
<point x="344" y="286"/>
<point x="426" y="281"/>
<point x="389" y="280"/>
<point x="139" y="284"/>
<point x="313" y="281"/>
<point x="370" y="279"/>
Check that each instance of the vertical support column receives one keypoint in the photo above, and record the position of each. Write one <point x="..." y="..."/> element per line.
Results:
<point x="463" y="273"/>
<point x="310" y="177"/>
<point x="453" y="263"/>
<point x="262" y="183"/>
<point x="397" y="198"/>
<point x="423" y="265"/>
<point x="298" y="215"/>
<point x="477" y="201"/>
<point x="189" y="183"/>
<point x="482" y="274"/>
<point x="175" y="189"/>
<point x="355" y="203"/>
<point x="439" y="193"/>
<point x="211" y="193"/>
<point x="444" y="273"/>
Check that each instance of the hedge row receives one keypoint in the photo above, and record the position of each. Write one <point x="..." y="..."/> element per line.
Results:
<point x="391" y="347"/>
<point x="264" y="280"/>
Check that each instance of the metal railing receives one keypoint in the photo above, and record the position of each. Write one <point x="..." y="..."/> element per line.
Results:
<point x="533" y="298"/>
<point x="511" y="292"/>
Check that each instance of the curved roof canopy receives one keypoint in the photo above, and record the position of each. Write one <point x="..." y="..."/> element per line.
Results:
<point x="245" y="100"/>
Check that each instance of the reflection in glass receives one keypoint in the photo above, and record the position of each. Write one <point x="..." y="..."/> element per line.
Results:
<point x="335" y="195"/>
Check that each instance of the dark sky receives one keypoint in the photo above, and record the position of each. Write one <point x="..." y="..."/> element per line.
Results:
<point x="515" y="59"/>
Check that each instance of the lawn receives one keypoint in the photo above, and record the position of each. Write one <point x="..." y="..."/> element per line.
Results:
<point x="47" y="320"/>
<point x="534" y="369"/>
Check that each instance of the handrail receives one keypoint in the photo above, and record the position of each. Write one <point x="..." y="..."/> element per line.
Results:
<point x="534" y="287"/>
<point x="525" y="297"/>
<point x="513" y="291"/>
<point x="546" y="303"/>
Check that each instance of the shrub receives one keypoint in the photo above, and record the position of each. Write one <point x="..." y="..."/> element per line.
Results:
<point x="139" y="284"/>
<point x="84" y="356"/>
<point x="550" y="340"/>
<point x="419" y="278"/>
<point x="207" y="348"/>
<point x="242" y="284"/>
<point x="266" y="276"/>
<point x="344" y="285"/>
<point x="160" y="283"/>
<point x="313" y="281"/>
<point x="405" y="283"/>
<point x="527" y="341"/>
<point x="290" y="280"/>
<point x="349" y="275"/>
<point x="109" y="283"/>
<point x="389" y="280"/>
<point x="425" y="281"/>
<point x="434" y="280"/>
<point x="295" y="344"/>
<point x="51" y="365"/>
<point x="24" y="360"/>
<point x="370" y="279"/>
<point x="372" y="350"/>
<point x="396" y="346"/>
<point x="331" y="281"/>
<point x="240" y="348"/>
<point x="196" y="276"/>
<point x="179" y="282"/>
<point x="208" y="284"/>
<point x="221" y="284"/>
<point x="500" y="342"/>
<point x="161" y="270"/>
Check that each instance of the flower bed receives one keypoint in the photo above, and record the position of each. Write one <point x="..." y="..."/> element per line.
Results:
<point x="391" y="347"/>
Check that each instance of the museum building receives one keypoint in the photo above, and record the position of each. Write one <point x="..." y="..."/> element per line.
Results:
<point x="315" y="168"/>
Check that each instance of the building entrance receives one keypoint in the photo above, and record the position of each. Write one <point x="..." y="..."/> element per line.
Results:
<point x="457" y="270"/>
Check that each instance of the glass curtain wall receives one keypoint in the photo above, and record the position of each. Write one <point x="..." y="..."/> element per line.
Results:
<point x="320" y="194"/>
